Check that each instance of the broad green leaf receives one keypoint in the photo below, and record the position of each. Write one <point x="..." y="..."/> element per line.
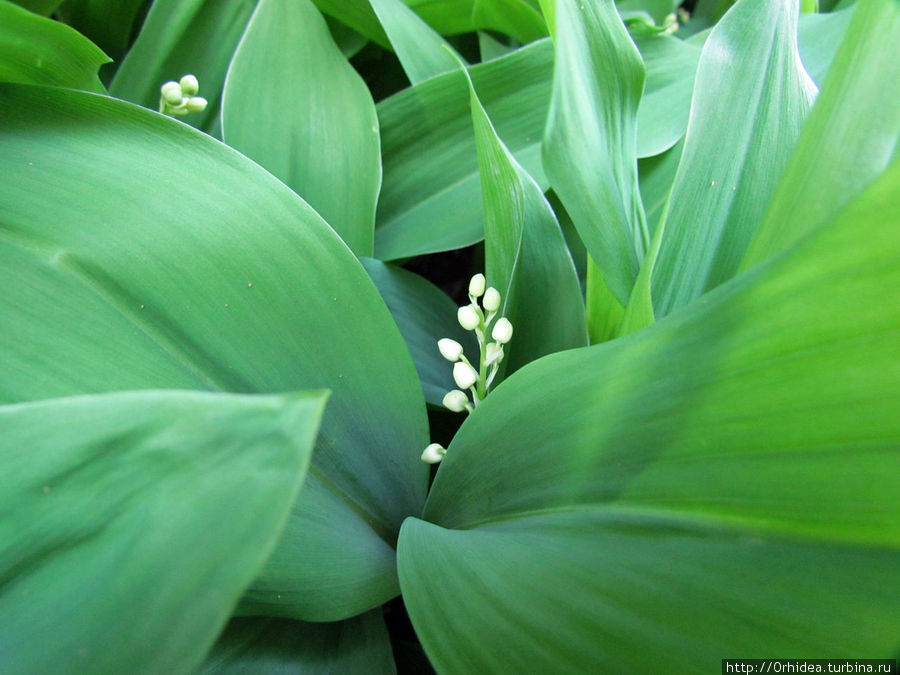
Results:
<point x="706" y="14"/>
<point x="573" y="241"/>
<point x="448" y="17"/>
<point x="548" y="9"/>
<point x="179" y="37"/>
<point x="639" y="311"/>
<point x="526" y="257"/>
<point x="632" y="592"/>
<point x="424" y="314"/>
<point x="35" y="50"/>
<point x="329" y="562"/>
<point x="348" y="40"/>
<point x="422" y="51"/>
<point x="273" y="646"/>
<point x="42" y="7"/>
<point x="512" y="17"/>
<point x="358" y="14"/>
<point x="607" y="318"/>
<point x="819" y="36"/>
<point x="108" y="23"/>
<point x="605" y="315"/>
<point x="491" y="47"/>
<point x="589" y="147"/>
<point x="133" y="521"/>
<point x="733" y="153"/>
<point x="292" y="103"/>
<point x="603" y="312"/>
<point x="656" y="177"/>
<point x="665" y="106"/>
<point x="657" y="9"/>
<point x="850" y="138"/>
<point x="431" y="199"/>
<point x="206" y="273"/>
<point x="730" y="463"/>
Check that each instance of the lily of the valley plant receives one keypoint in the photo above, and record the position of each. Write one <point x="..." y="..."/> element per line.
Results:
<point x="230" y="325"/>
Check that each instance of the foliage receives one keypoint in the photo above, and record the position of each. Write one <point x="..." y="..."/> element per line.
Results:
<point x="219" y="341"/>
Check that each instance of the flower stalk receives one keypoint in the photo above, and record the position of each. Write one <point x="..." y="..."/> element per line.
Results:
<point x="478" y="318"/>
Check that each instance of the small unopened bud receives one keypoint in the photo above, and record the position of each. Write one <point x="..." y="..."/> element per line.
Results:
<point x="468" y="317"/>
<point x="503" y="331"/>
<point x="434" y="453"/>
<point x="171" y="93"/>
<point x="455" y="400"/>
<point x="491" y="300"/>
<point x="464" y="375"/>
<point x="493" y="353"/>
<point x="196" y="104"/>
<point x="189" y="85"/>
<point x="476" y="286"/>
<point x="450" y="349"/>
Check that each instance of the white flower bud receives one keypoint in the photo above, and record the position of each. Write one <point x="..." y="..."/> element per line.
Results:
<point x="450" y="349"/>
<point x="434" y="453"/>
<point x="455" y="400"/>
<point x="196" y="104"/>
<point x="491" y="300"/>
<point x="171" y="93"/>
<point x="464" y="375"/>
<point x="476" y="286"/>
<point x="189" y="85"/>
<point x="493" y="353"/>
<point x="503" y="331"/>
<point x="468" y="317"/>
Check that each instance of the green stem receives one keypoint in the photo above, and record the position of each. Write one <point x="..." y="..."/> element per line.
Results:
<point x="482" y="366"/>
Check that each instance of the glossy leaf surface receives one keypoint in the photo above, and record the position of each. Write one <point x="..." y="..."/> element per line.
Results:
<point x="293" y="103"/>
<point x="35" y="50"/>
<point x="424" y="314"/>
<point x="357" y="646"/>
<point x="421" y="50"/>
<point x="517" y="18"/>
<point x="663" y="112"/>
<point x="209" y="274"/>
<point x="603" y="312"/>
<point x="733" y="154"/>
<point x="42" y="7"/>
<point x="448" y="17"/>
<point x="590" y="151"/>
<point x="526" y="257"/>
<point x="837" y="154"/>
<point x="729" y="464"/>
<point x="107" y="23"/>
<point x="431" y="200"/>
<point x="819" y="36"/>
<point x="136" y="520"/>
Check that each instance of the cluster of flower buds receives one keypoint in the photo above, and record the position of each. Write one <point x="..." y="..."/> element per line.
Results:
<point x="178" y="98"/>
<point x="478" y="381"/>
